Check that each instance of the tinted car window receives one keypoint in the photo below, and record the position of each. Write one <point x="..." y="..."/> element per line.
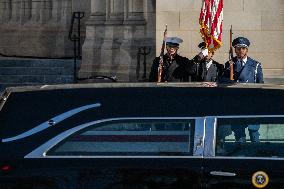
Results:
<point x="250" y="137"/>
<point x="130" y="137"/>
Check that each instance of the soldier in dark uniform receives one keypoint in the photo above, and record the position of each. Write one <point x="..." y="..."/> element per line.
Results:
<point x="176" y="68"/>
<point x="246" y="70"/>
<point x="205" y="68"/>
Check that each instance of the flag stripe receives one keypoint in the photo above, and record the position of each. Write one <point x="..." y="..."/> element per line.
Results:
<point x="211" y="23"/>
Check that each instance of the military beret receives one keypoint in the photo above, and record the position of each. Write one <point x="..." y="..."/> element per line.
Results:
<point x="174" y="41"/>
<point x="241" y="42"/>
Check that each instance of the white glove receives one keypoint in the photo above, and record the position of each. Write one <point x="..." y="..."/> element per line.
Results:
<point x="204" y="52"/>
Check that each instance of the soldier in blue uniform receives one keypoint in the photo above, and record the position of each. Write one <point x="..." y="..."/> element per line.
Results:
<point x="206" y="69"/>
<point x="246" y="70"/>
<point x="176" y="68"/>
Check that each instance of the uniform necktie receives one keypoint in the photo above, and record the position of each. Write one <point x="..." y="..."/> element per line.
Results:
<point x="239" y="65"/>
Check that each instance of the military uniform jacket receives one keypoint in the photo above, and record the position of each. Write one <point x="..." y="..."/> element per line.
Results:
<point x="201" y="73"/>
<point x="251" y="72"/>
<point x="179" y="69"/>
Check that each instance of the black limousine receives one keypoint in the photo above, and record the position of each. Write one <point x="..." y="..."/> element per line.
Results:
<point x="142" y="135"/>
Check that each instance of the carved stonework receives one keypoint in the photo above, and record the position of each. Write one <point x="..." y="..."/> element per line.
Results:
<point x="114" y="37"/>
<point x="39" y="28"/>
<point x="134" y="12"/>
<point x="115" y="11"/>
<point x="98" y="13"/>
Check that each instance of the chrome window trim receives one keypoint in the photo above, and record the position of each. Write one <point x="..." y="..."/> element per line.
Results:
<point x="4" y="97"/>
<point x="210" y="135"/>
<point x="207" y="150"/>
<point x="244" y="158"/>
<point x="55" y="120"/>
<point x="199" y="137"/>
<point x="250" y="116"/>
<point x="41" y="151"/>
<point x="120" y="157"/>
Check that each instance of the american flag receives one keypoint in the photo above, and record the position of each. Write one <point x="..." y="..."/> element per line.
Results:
<point x="211" y="22"/>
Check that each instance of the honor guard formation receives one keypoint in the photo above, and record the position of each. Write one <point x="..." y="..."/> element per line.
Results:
<point x="202" y="68"/>
<point x="172" y="67"/>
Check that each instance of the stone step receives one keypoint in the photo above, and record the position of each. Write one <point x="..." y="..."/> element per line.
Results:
<point x="40" y="79"/>
<point x="24" y="71"/>
<point x="36" y="62"/>
<point x="36" y="71"/>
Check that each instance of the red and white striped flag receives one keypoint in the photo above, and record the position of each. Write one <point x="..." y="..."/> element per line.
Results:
<point x="211" y="22"/>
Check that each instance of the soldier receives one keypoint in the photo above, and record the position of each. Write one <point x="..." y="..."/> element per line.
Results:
<point x="175" y="67"/>
<point x="206" y="69"/>
<point x="246" y="70"/>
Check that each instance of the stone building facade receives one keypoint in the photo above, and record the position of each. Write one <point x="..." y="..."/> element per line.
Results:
<point x="118" y="34"/>
<point x="261" y="21"/>
<point x="37" y="28"/>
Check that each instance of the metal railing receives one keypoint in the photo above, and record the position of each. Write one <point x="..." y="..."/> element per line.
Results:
<point x="75" y="36"/>
<point x="144" y="51"/>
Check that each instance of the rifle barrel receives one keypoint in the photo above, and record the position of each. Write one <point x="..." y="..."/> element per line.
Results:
<point x="231" y="55"/>
<point x="161" y="64"/>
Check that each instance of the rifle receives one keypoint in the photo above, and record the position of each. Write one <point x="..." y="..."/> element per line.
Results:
<point x="231" y="55"/>
<point x="161" y="62"/>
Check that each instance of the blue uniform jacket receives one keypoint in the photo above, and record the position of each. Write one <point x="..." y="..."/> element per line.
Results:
<point x="251" y="72"/>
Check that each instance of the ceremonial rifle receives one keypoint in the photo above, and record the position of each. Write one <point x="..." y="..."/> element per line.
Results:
<point x="161" y="62"/>
<point x="231" y="55"/>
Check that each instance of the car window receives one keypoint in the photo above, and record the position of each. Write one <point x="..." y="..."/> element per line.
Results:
<point x="130" y="137"/>
<point x="250" y="137"/>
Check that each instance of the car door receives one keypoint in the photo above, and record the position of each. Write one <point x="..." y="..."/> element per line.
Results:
<point x="255" y="161"/>
<point x="129" y="152"/>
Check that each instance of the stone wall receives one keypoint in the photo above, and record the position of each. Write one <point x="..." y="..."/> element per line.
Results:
<point x="262" y="21"/>
<point x="115" y="32"/>
<point x="38" y="28"/>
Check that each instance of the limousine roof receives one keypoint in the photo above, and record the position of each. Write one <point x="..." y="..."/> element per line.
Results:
<point x="26" y="108"/>
<point x="131" y="85"/>
<point x="146" y="99"/>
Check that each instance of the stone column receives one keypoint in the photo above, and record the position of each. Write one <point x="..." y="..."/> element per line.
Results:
<point x="16" y="9"/>
<point x="46" y="11"/>
<point x="98" y="12"/>
<point x="66" y="12"/>
<point x="2" y="12"/>
<point x="134" y="13"/>
<point x="56" y="11"/>
<point x="35" y="14"/>
<point x="6" y="11"/>
<point x="95" y="36"/>
<point x="113" y="39"/>
<point x="26" y="11"/>
<point x="115" y="11"/>
<point x="133" y="35"/>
